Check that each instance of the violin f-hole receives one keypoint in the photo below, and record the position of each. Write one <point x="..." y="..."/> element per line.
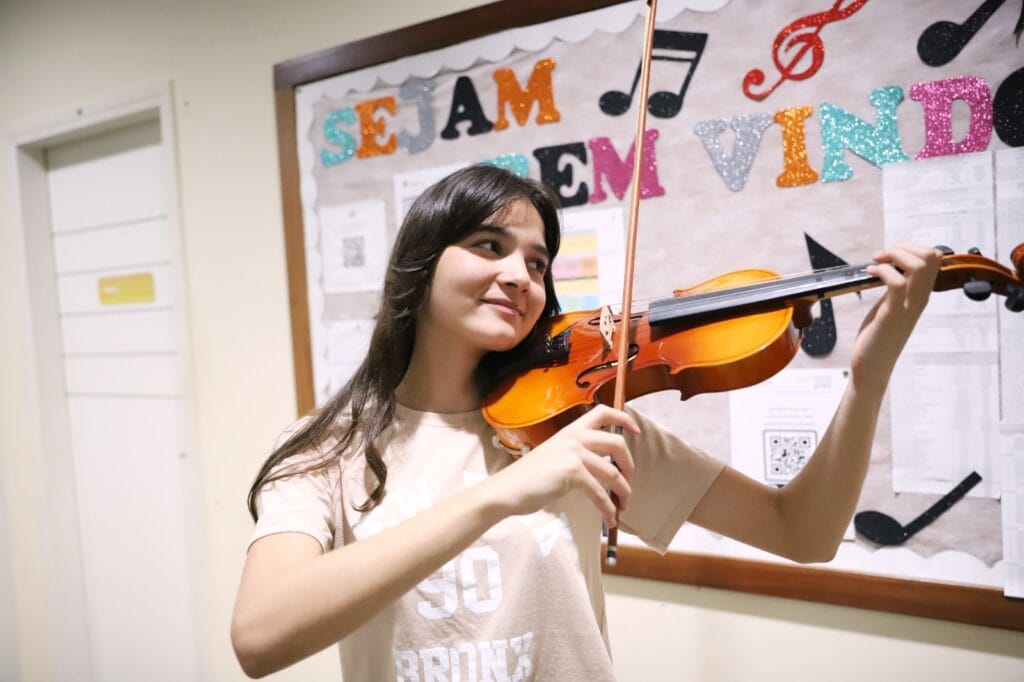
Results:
<point x="581" y="382"/>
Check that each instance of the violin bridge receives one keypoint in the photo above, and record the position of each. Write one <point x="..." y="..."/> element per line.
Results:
<point x="606" y="326"/>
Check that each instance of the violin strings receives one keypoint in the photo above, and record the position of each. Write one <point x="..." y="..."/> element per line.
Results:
<point x="775" y="287"/>
<point x="775" y="292"/>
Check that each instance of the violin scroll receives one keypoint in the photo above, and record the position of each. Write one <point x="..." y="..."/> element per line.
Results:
<point x="1015" y="294"/>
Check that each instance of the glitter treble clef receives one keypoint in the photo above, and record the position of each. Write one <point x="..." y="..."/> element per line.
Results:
<point x="792" y="44"/>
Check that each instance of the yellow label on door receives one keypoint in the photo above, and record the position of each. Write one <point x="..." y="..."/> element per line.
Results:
<point x="137" y="288"/>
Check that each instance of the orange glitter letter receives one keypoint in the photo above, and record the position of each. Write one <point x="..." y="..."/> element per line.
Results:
<point x="538" y="88"/>
<point x="796" y="170"/>
<point x="374" y="127"/>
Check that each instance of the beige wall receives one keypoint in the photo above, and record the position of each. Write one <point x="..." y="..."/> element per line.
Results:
<point x="57" y="56"/>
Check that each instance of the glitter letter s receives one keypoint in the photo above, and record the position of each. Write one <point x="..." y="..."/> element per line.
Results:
<point x="338" y="137"/>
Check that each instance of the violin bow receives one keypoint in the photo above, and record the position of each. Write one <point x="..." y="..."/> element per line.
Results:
<point x="625" y="313"/>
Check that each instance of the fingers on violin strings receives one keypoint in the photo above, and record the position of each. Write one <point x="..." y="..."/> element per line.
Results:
<point x="910" y="255"/>
<point x="920" y="265"/>
<point x="892" y="278"/>
<point x="894" y="264"/>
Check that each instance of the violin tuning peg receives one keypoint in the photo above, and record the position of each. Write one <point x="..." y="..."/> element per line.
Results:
<point x="974" y="250"/>
<point x="1015" y="298"/>
<point x="977" y="289"/>
<point x="946" y="251"/>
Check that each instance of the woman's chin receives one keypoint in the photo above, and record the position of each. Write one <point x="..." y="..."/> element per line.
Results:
<point x="498" y="343"/>
<point x="503" y="346"/>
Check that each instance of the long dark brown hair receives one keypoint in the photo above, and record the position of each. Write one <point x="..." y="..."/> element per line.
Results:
<point x="364" y="407"/>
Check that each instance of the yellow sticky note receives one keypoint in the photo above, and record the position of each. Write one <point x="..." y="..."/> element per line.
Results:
<point x="136" y="288"/>
<point x="585" y="285"/>
<point x="579" y="243"/>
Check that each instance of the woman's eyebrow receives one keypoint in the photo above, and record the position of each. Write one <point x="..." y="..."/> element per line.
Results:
<point x="501" y="231"/>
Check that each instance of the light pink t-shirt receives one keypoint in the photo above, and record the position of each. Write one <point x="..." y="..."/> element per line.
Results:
<point x="523" y="602"/>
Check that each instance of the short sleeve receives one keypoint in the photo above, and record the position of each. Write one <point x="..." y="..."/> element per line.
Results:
<point x="670" y="479"/>
<point x="298" y="503"/>
<point x="301" y="503"/>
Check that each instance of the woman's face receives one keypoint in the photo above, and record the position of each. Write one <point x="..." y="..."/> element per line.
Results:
<point x="488" y="288"/>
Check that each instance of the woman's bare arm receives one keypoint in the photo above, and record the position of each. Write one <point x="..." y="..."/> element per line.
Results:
<point x="806" y="519"/>
<point x="295" y="600"/>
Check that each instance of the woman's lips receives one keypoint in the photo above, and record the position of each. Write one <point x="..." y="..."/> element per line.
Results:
<point x="505" y="307"/>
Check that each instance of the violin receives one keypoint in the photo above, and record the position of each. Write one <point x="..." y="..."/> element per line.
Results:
<point x="729" y="332"/>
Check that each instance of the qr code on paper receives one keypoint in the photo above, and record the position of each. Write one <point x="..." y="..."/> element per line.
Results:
<point x="786" y="452"/>
<point x="353" y="252"/>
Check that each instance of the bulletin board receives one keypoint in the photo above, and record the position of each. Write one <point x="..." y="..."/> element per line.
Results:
<point x="789" y="136"/>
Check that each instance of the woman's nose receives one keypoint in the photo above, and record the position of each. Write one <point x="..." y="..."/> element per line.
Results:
<point x="515" y="271"/>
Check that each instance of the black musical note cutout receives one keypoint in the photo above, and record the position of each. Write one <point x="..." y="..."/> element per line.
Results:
<point x="820" y="337"/>
<point x="882" y="529"/>
<point x="941" y="42"/>
<point x="1007" y="105"/>
<point x="663" y="104"/>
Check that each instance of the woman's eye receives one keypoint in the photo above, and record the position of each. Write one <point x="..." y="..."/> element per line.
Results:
<point x="489" y="245"/>
<point x="539" y="265"/>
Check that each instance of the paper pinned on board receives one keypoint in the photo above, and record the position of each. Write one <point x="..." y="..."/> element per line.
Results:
<point x="589" y="269"/>
<point x="408" y="186"/>
<point x="354" y="246"/>
<point x="776" y="425"/>
<point x="347" y="344"/>
<point x="1010" y="233"/>
<point x="939" y="434"/>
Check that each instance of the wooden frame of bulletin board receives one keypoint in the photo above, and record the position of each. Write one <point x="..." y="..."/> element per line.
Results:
<point x="928" y="598"/>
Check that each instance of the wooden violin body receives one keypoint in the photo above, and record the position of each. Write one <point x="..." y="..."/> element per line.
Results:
<point x="715" y="357"/>
<point x="730" y="332"/>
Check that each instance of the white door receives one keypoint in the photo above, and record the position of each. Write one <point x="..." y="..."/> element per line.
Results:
<point x="118" y="275"/>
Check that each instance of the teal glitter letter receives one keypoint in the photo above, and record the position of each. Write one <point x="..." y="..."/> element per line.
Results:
<point x="515" y="163"/>
<point x="879" y="143"/>
<point x="338" y="137"/>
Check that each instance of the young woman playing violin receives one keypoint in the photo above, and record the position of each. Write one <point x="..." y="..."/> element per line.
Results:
<point x="388" y="520"/>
